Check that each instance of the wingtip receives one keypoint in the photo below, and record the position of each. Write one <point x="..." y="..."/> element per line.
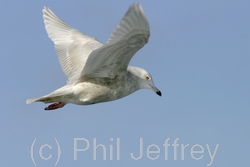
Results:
<point x="136" y="5"/>
<point x="44" y="8"/>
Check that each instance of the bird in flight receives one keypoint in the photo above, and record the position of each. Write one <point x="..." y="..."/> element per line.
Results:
<point x="98" y="72"/>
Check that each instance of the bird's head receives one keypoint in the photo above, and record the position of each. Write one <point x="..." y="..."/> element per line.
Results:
<point x="145" y="80"/>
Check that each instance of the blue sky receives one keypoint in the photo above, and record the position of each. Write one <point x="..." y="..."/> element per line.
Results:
<point x="198" y="55"/>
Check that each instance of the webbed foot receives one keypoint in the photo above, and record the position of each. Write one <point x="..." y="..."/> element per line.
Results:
<point x="55" y="106"/>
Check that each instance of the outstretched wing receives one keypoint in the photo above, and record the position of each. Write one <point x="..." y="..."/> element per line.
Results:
<point x="72" y="46"/>
<point x="112" y="59"/>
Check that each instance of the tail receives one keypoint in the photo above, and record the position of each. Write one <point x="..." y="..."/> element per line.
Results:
<point x="45" y="99"/>
<point x="29" y="101"/>
<point x="56" y="96"/>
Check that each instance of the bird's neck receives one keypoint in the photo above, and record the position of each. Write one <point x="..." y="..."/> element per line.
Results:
<point x="134" y="80"/>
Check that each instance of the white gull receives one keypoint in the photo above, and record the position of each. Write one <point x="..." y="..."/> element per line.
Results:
<point x="98" y="72"/>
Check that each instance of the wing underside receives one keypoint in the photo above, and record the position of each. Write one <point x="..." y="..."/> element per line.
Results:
<point x="112" y="59"/>
<point x="72" y="46"/>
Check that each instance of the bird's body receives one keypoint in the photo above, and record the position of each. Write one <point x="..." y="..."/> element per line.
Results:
<point x="92" y="91"/>
<point x="96" y="72"/>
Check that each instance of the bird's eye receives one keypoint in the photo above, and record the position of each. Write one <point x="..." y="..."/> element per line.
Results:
<point x="147" y="78"/>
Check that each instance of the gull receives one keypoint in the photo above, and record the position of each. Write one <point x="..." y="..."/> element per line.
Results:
<point x="98" y="72"/>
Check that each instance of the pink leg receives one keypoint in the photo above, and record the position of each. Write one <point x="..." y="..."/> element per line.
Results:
<point x="55" y="106"/>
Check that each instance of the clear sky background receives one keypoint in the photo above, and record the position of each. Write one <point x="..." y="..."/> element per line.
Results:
<point x="198" y="55"/>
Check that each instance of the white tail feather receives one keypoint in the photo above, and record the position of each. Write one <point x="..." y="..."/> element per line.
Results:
<point x="29" y="101"/>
